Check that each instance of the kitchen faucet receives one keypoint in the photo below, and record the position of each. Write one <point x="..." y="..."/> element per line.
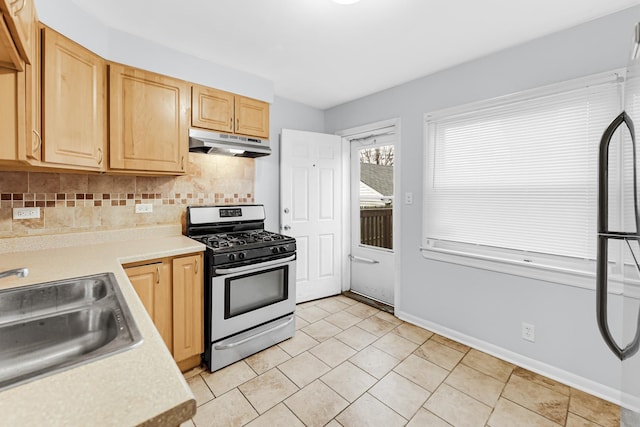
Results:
<point x="19" y="272"/>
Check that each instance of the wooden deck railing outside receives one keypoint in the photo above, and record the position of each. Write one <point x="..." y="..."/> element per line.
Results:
<point x="376" y="228"/>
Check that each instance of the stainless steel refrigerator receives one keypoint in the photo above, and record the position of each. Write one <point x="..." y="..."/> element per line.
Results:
<point x="618" y="258"/>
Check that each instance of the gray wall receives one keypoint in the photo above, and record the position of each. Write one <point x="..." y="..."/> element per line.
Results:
<point x="484" y="305"/>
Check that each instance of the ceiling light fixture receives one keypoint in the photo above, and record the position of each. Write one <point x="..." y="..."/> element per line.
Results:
<point x="346" y="1"/>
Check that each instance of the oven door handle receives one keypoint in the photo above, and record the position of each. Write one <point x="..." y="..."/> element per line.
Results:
<point x="253" y="337"/>
<point x="254" y="266"/>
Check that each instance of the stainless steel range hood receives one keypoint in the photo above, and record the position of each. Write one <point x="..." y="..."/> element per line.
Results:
<point x="204" y="141"/>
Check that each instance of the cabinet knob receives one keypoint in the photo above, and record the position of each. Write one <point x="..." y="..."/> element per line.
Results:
<point x="182" y="163"/>
<point x="99" y="156"/>
<point x="157" y="275"/>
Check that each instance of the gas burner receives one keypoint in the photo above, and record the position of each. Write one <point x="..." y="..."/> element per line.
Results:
<point x="265" y="236"/>
<point x="237" y="241"/>
<point x="216" y="243"/>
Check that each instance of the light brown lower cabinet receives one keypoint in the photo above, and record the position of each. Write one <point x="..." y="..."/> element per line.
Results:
<point x="188" y="305"/>
<point x="171" y="290"/>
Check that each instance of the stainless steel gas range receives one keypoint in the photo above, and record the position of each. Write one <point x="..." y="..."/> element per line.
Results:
<point x="249" y="284"/>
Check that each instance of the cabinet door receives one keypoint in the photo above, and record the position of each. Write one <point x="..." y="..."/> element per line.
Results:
<point x="34" y="100"/>
<point x="21" y="18"/>
<point x="188" y="320"/>
<point x="12" y="115"/>
<point x="74" y="98"/>
<point x="149" y="121"/>
<point x="20" y="112"/>
<point x="152" y="283"/>
<point x="212" y="109"/>
<point x="252" y="117"/>
<point x="9" y="56"/>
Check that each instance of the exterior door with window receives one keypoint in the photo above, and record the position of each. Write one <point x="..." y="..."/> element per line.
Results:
<point x="372" y="200"/>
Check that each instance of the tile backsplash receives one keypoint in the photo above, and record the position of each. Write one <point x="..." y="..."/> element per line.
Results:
<point x="73" y="202"/>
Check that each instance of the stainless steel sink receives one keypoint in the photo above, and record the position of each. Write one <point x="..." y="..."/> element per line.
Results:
<point x="49" y="327"/>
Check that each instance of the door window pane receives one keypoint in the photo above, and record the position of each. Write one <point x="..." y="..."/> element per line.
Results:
<point x="376" y="196"/>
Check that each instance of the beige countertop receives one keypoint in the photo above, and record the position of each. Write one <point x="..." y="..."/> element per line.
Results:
<point x="142" y="385"/>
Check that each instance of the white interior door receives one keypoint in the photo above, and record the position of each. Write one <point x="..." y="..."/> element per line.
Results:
<point x="372" y="212"/>
<point x="310" y="209"/>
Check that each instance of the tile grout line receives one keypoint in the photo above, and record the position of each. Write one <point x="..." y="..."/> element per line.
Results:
<point x="292" y="411"/>
<point x="393" y="330"/>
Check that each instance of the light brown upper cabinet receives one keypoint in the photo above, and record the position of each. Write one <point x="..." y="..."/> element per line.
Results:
<point x="74" y="120"/>
<point x="20" y="112"/>
<point x="33" y="82"/>
<point x="16" y="31"/>
<point x="252" y="117"/>
<point x="149" y="121"/>
<point x="225" y="112"/>
<point x="212" y="109"/>
<point x="9" y="56"/>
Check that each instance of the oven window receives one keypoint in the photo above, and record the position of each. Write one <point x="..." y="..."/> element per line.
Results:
<point x="252" y="291"/>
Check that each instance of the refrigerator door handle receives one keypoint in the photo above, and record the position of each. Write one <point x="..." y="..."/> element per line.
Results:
<point x="604" y="234"/>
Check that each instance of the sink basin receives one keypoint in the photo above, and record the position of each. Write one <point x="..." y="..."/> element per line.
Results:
<point x="44" y="298"/>
<point x="49" y="327"/>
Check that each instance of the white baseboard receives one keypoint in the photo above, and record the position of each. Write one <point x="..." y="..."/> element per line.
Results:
<point x="589" y="386"/>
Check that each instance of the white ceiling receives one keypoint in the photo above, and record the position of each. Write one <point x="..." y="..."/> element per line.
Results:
<point x="323" y="54"/>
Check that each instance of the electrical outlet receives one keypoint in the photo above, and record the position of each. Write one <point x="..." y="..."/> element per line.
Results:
<point x="528" y="332"/>
<point x="26" y="213"/>
<point x="144" y="208"/>
<point x="408" y="198"/>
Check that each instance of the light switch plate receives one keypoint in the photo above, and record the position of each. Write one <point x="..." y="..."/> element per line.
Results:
<point x="408" y="198"/>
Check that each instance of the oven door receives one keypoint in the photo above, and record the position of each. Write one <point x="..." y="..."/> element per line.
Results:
<point x="251" y="295"/>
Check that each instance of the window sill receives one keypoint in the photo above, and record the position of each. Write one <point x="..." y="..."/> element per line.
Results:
<point x="581" y="278"/>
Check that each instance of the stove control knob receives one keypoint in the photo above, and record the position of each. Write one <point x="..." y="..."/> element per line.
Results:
<point x="283" y="249"/>
<point x="232" y="257"/>
<point x="274" y="250"/>
<point x="241" y="255"/>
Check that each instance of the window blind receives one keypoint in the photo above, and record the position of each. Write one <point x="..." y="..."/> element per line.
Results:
<point x="521" y="174"/>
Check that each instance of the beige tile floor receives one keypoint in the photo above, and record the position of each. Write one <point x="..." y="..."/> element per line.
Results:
<point x="353" y="365"/>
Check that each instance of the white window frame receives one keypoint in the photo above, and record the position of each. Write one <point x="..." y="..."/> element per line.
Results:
<point x="557" y="269"/>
